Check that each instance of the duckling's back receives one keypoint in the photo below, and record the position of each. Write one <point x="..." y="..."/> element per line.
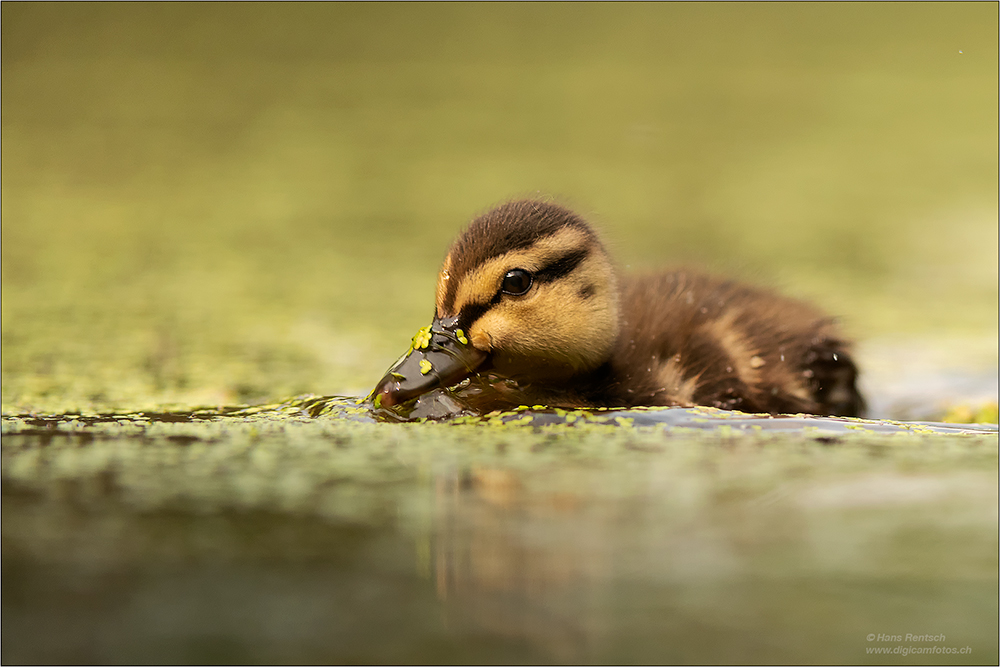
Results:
<point x="689" y="339"/>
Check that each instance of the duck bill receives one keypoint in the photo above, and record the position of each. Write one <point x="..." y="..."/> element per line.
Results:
<point x="440" y="356"/>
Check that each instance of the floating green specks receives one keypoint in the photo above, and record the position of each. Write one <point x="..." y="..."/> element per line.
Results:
<point x="378" y="400"/>
<point x="422" y="339"/>
<point x="523" y="420"/>
<point x="461" y="337"/>
<point x="425" y="366"/>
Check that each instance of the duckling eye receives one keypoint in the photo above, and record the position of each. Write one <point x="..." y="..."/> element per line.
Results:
<point x="516" y="282"/>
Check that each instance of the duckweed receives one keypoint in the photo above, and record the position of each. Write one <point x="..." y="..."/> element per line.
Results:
<point x="521" y="421"/>
<point x="425" y="367"/>
<point x="421" y="339"/>
<point x="986" y="413"/>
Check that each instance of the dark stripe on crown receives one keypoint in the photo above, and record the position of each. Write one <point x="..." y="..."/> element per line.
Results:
<point x="511" y="226"/>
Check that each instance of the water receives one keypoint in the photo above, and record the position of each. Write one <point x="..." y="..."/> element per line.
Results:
<point x="673" y="535"/>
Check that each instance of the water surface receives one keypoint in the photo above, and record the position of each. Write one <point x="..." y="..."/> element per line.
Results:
<point x="271" y="535"/>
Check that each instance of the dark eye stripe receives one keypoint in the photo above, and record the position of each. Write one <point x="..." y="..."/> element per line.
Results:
<point x="561" y="267"/>
<point x="512" y="226"/>
<point x="552" y="271"/>
<point x="473" y="311"/>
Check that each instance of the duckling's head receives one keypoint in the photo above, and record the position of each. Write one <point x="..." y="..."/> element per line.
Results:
<point x="527" y="291"/>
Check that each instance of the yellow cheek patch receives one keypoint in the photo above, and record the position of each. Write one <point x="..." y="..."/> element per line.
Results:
<point x="554" y="323"/>
<point x="480" y="339"/>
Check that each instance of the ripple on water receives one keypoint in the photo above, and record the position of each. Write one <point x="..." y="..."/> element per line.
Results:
<point x="438" y="407"/>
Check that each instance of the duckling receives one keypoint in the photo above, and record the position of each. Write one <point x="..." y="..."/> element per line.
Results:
<point x="530" y="310"/>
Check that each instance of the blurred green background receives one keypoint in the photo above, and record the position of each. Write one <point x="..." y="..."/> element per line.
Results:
<point x="218" y="203"/>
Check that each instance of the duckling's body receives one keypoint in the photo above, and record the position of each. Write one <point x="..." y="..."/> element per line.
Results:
<point x="530" y="309"/>
<point x="688" y="339"/>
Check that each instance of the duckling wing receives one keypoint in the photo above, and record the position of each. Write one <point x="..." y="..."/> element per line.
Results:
<point x="687" y="338"/>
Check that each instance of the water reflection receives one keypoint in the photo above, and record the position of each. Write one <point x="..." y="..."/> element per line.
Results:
<point x="645" y="565"/>
<point x="268" y="534"/>
<point x="502" y="560"/>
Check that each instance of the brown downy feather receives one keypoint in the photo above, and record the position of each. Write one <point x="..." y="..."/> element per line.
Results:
<point x="689" y="339"/>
